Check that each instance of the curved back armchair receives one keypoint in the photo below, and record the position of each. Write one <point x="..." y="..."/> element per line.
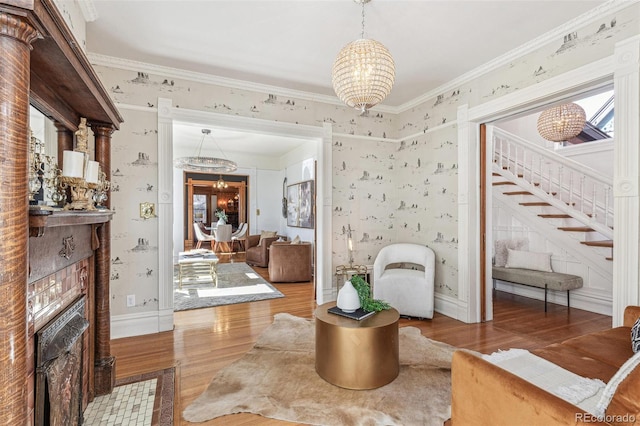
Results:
<point x="201" y="236"/>
<point x="240" y="235"/>
<point x="403" y="276"/>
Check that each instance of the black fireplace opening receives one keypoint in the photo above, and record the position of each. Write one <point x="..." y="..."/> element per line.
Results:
<point x="58" y="389"/>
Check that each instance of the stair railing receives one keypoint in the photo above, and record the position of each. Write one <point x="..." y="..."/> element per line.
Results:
<point x="577" y="190"/>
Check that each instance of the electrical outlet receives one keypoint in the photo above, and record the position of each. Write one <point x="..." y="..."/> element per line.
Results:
<point x="131" y="300"/>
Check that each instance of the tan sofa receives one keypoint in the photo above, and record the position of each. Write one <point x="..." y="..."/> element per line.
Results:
<point x="258" y="255"/>
<point x="485" y="394"/>
<point x="290" y="262"/>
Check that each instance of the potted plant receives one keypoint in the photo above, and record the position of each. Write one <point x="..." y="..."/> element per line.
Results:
<point x="367" y="302"/>
<point x="221" y="215"/>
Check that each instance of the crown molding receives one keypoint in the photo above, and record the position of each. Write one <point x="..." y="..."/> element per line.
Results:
<point x="88" y="9"/>
<point x="111" y="61"/>
<point x="611" y="6"/>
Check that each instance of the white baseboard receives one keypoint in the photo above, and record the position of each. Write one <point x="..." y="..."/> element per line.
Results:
<point x="580" y="299"/>
<point x="447" y="305"/>
<point x="138" y="324"/>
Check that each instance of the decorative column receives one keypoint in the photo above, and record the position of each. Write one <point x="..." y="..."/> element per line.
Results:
<point x="16" y="35"/>
<point x="65" y="141"/>
<point x="105" y="363"/>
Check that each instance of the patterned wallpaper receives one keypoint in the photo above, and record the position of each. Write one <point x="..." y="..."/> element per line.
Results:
<point x="385" y="190"/>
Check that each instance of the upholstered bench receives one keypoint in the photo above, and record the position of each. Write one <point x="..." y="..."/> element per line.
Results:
<point x="547" y="280"/>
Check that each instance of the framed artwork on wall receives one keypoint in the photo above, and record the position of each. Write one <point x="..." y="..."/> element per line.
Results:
<point x="301" y="204"/>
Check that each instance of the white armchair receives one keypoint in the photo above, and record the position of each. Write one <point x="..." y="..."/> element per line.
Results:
<point x="403" y="276"/>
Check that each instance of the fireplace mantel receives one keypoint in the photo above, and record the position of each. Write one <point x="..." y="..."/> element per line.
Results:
<point x="39" y="220"/>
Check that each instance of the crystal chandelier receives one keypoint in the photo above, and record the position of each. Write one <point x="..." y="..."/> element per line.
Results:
<point x="562" y="122"/>
<point x="199" y="163"/>
<point x="364" y="72"/>
<point x="221" y="184"/>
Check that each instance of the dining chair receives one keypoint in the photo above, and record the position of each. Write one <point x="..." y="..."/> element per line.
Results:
<point x="201" y="236"/>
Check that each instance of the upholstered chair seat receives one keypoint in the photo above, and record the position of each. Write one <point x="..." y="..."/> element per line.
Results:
<point x="403" y="276"/>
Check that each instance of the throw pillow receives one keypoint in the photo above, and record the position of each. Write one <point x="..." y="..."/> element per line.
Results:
<point x="502" y="247"/>
<point x="635" y="336"/>
<point x="266" y="234"/>
<point x="529" y="260"/>
<point x="296" y="240"/>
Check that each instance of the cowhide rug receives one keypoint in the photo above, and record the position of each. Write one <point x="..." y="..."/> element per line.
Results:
<point x="277" y="379"/>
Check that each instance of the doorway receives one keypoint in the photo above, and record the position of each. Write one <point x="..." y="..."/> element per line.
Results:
<point x="205" y="197"/>
<point x="319" y="138"/>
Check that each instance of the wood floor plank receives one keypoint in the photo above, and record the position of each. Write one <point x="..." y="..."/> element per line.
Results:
<point x="206" y="340"/>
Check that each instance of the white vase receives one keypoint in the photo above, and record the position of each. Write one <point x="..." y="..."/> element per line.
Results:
<point x="221" y="222"/>
<point x="348" y="299"/>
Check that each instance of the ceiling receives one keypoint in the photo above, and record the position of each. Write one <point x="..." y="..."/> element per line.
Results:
<point x="292" y="44"/>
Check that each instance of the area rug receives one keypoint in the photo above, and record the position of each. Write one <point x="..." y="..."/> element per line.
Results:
<point x="144" y="399"/>
<point x="277" y="379"/>
<point x="237" y="283"/>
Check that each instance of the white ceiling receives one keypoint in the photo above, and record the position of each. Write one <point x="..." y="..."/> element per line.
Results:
<point x="292" y="44"/>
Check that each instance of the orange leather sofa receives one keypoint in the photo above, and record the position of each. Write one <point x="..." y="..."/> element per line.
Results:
<point x="485" y="394"/>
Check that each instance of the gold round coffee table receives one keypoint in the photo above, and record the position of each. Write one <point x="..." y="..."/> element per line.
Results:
<point x="357" y="354"/>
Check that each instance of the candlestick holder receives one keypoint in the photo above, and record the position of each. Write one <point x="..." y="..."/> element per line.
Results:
<point x="81" y="193"/>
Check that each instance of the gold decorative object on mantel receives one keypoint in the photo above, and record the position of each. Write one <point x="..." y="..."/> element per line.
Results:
<point x="147" y="210"/>
<point x="83" y="176"/>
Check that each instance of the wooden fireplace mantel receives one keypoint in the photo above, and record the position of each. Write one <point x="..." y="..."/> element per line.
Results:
<point x="39" y="220"/>
<point x="43" y="65"/>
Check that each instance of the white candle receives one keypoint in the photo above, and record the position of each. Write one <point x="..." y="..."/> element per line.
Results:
<point x="72" y="164"/>
<point x="91" y="174"/>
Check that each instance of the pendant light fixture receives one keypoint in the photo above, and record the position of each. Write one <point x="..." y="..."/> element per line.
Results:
<point x="364" y="72"/>
<point x="199" y="163"/>
<point x="221" y="184"/>
<point x="562" y="122"/>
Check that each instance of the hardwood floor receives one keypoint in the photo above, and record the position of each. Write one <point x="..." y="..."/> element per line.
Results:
<point x="206" y="340"/>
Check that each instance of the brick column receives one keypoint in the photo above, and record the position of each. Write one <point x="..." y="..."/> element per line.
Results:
<point x="16" y="36"/>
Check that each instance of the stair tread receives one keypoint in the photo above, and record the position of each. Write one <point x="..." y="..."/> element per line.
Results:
<point x="576" y="228"/>
<point x="555" y="216"/>
<point x="517" y="193"/>
<point x="535" y="203"/>
<point x="503" y="183"/>
<point x="609" y="258"/>
<point x="602" y="243"/>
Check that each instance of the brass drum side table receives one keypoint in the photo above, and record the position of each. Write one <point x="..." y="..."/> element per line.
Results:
<point x="357" y="354"/>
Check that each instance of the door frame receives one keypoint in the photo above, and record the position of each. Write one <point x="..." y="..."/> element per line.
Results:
<point x="321" y="136"/>
<point x="474" y="295"/>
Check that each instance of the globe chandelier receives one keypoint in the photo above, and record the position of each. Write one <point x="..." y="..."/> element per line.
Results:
<point x="220" y="184"/>
<point x="364" y="71"/>
<point x="198" y="163"/>
<point x="562" y="122"/>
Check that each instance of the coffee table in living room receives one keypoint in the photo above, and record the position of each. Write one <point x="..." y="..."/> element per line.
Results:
<point x="190" y="261"/>
<point x="356" y="354"/>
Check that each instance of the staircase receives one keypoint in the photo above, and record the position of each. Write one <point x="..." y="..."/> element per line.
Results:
<point x="566" y="201"/>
